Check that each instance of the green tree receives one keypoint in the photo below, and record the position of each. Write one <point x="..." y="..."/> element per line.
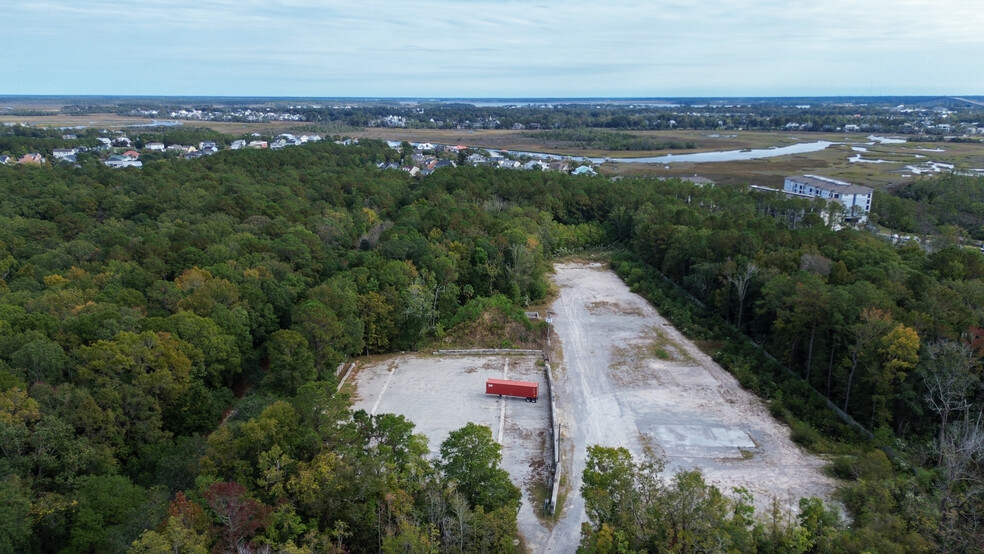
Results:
<point x="470" y="459"/>
<point x="291" y="361"/>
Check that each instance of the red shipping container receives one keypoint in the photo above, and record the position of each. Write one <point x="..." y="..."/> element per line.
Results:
<point x="505" y="387"/>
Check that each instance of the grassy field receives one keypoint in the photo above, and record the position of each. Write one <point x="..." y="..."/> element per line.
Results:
<point x="880" y="166"/>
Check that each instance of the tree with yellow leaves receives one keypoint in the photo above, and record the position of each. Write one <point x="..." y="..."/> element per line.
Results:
<point x="899" y="350"/>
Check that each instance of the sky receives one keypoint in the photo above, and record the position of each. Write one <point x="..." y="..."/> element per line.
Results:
<point x="492" y="48"/>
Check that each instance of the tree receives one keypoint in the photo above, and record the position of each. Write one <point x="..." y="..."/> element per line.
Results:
<point x="811" y="309"/>
<point x="470" y="459"/>
<point x="872" y="324"/>
<point x="291" y="361"/>
<point x="947" y="371"/>
<point x="43" y="359"/>
<point x="16" y="520"/>
<point x="608" y="487"/>
<point x="105" y="504"/>
<point x="240" y="516"/>
<point x="740" y="279"/>
<point x="900" y="353"/>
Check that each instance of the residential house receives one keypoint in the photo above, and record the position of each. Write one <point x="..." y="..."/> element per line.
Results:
<point x="856" y="199"/>
<point x="208" y="147"/>
<point x="258" y="144"/>
<point x="412" y="170"/>
<point x="562" y="165"/>
<point x="237" y="144"/>
<point x="584" y="170"/>
<point x="509" y="164"/>
<point x="155" y="146"/>
<point x="132" y="153"/>
<point x="699" y="181"/>
<point x="122" y="161"/>
<point x="5" y="159"/>
<point x="59" y="153"/>
<point x="32" y="158"/>
<point x="444" y="163"/>
<point x="477" y="159"/>
<point x="536" y="165"/>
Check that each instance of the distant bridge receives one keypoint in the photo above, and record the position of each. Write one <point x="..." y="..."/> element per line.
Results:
<point x="969" y="101"/>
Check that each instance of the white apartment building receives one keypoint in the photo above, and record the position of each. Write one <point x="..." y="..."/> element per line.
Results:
<point x="856" y="199"/>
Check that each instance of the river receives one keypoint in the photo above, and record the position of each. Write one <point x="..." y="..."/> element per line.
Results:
<point x="699" y="157"/>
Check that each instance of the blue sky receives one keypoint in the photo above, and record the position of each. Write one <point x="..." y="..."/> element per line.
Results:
<point x="493" y="48"/>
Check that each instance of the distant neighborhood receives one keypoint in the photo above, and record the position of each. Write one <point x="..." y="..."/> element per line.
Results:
<point x="421" y="159"/>
<point x="427" y="158"/>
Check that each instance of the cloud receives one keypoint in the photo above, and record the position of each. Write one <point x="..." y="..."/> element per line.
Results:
<point x="554" y="47"/>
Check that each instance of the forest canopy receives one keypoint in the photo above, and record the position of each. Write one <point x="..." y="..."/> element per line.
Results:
<point x="169" y="338"/>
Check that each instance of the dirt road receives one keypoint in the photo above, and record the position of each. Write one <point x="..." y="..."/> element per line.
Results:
<point x="630" y="379"/>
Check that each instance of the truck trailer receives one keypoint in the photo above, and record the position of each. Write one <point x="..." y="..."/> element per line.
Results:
<point x="506" y="387"/>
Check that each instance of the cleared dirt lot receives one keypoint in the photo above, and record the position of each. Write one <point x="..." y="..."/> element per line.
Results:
<point x="630" y="379"/>
<point x="627" y="378"/>
<point x="443" y="393"/>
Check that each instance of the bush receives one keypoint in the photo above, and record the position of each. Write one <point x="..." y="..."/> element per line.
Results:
<point x="803" y="433"/>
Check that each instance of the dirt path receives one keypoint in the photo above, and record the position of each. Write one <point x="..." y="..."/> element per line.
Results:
<point x="630" y="379"/>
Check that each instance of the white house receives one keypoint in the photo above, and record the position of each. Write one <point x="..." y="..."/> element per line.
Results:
<point x="155" y="146"/>
<point x="856" y="199"/>
<point x="122" y="161"/>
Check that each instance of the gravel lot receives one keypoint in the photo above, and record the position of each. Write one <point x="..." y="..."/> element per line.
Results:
<point x="627" y="378"/>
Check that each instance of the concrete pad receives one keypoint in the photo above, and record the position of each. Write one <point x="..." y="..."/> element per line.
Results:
<point x="442" y="394"/>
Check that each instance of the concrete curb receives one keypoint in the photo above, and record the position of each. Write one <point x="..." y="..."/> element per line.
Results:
<point x="555" y="433"/>
<point x="489" y="352"/>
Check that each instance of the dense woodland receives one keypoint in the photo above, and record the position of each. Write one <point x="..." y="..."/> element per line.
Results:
<point x="169" y="338"/>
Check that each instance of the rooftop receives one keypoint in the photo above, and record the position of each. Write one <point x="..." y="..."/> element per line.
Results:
<point x="826" y="183"/>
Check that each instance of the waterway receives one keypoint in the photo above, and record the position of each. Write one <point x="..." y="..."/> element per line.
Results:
<point x="699" y="157"/>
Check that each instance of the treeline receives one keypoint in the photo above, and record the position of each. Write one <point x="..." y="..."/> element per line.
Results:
<point x="949" y="204"/>
<point x="808" y="114"/>
<point x="602" y="140"/>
